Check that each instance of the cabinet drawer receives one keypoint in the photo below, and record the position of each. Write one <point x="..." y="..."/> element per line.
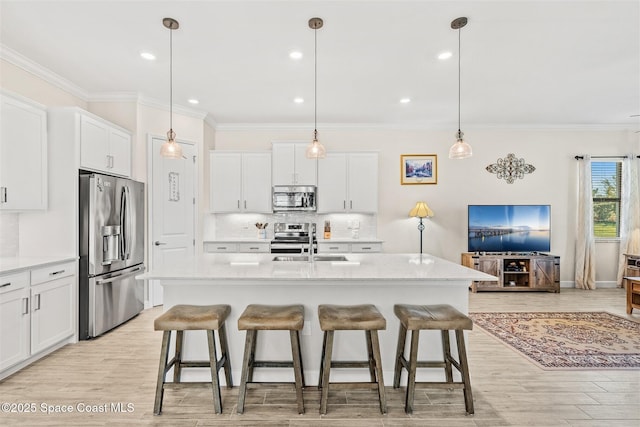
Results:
<point x="254" y="247"/>
<point x="333" y="247"/>
<point x="52" y="272"/>
<point x="12" y="282"/>
<point x="366" y="247"/>
<point x="213" y="247"/>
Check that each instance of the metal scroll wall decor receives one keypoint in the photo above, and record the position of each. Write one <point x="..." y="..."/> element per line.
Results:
<point x="510" y="168"/>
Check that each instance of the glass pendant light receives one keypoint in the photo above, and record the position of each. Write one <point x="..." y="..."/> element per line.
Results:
<point x="171" y="149"/>
<point x="315" y="150"/>
<point x="459" y="150"/>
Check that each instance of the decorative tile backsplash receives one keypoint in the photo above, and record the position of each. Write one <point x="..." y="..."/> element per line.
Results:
<point x="9" y="238"/>
<point x="242" y="226"/>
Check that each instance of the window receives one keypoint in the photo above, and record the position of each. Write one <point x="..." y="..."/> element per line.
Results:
<point x="606" y="186"/>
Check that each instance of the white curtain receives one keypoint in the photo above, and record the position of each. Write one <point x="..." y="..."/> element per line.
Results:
<point x="629" y="212"/>
<point x="585" y="244"/>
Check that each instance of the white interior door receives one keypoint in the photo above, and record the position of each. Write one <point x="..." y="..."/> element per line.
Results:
<point x="172" y="213"/>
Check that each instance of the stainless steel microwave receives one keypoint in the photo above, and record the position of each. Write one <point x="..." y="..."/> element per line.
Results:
<point x="294" y="198"/>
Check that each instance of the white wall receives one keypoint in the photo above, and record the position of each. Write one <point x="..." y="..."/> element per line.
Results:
<point x="464" y="182"/>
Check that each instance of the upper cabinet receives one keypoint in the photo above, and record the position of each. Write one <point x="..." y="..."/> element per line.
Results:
<point x="348" y="182"/>
<point x="291" y="166"/>
<point x="104" y="148"/>
<point x="240" y="182"/>
<point x="23" y="154"/>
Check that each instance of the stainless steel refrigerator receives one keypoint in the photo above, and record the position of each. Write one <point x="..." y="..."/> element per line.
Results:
<point x="111" y="251"/>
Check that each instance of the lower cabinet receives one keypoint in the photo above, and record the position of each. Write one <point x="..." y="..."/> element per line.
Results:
<point x="515" y="271"/>
<point x="15" y="319"/>
<point x="37" y="311"/>
<point x="237" y="247"/>
<point x="353" y="247"/>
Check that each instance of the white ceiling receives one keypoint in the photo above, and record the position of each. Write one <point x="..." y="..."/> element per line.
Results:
<point x="524" y="63"/>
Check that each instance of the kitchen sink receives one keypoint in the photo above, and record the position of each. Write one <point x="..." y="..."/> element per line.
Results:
<point x="306" y="258"/>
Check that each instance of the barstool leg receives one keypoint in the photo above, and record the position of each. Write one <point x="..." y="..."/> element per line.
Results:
<point x="224" y="349"/>
<point x="297" y="369"/>
<point x="378" y="359"/>
<point x="464" y="366"/>
<point x="213" y="361"/>
<point x="372" y="364"/>
<point x="326" y="370"/>
<point x="324" y="347"/>
<point x="446" y="352"/>
<point x="177" y="367"/>
<point x="413" y="363"/>
<point x="301" y="365"/>
<point x="164" y="354"/>
<point x="246" y="362"/>
<point x="397" y="373"/>
<point x="254" y="343"/>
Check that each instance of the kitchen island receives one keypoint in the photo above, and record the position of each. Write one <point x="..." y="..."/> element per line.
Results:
<point x="380" y="279"/>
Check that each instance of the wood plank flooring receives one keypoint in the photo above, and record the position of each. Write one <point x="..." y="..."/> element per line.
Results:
<point x="121" y="367"/>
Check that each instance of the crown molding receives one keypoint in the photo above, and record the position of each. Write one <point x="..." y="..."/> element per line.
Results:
<point x="15" y="58"/>
<point x="185" y="111"/>
<point x="211" y="121"/>
<point x="239" y="127"/>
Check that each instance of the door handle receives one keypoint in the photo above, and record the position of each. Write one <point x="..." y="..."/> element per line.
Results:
<point x="158" y="243"/>
<point x="3" y="198"/>
<point x="37" y="303"/>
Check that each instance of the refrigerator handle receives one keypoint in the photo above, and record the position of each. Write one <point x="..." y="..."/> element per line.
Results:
<point x="125" y="245"/>
<point x="136" y="270"/>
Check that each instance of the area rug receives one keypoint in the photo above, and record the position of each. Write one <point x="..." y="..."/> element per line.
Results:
<point x="581" y="340"/>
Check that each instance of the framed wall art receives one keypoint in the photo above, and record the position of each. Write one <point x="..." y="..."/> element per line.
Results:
<point x="418" y="169"/>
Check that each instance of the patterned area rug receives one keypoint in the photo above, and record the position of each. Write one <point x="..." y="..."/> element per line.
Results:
<point x="581" y="340"/>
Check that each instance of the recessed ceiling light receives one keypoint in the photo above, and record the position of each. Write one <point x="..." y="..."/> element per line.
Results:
<point x="405" y="100"/>
<point x="445" y="55"/>
<point x="298" y="100"/>
<point x="193" y="101"/>
<point x="148" y="56"/>
<point x="296" y="54"/>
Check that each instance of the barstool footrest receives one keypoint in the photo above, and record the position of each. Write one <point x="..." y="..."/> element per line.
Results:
<point x="358" y="385"/>
<point x="198" y="384"/>
<point x="349" y="364"/>
<point x="272" y="364"/>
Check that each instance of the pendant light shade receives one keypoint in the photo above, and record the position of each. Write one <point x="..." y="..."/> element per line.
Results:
<point x="171" y="149"/>
<point x="459" y="150"/>
<point x="315" y="150"/>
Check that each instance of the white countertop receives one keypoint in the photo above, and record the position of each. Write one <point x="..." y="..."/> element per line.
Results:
<point x="16" y="264"/>
<point x="359" y="267"/>
<point x="349" y="240"/>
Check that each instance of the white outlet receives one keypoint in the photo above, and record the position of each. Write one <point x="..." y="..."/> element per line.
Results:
<point x="306" y="330"/>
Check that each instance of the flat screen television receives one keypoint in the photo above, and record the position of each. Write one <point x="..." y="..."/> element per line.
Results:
<point x="509" y="228"/>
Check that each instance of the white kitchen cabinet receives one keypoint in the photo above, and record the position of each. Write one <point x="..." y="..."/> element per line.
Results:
<point x="236" y="247"/>
<point x="14" y="319"/>
<point x="291" y="166"/>
<point x="240" y="182"/>
<point x="52" y="305"/>
<point x="349" y="247"/>
<point x="23" y="154"/>
<point x="104" y="147"/>
<point x="37" y="313"/>
<point x="348" y="182"/>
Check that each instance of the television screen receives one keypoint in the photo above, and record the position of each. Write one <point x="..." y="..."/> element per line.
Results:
<point x="509" y="228"/>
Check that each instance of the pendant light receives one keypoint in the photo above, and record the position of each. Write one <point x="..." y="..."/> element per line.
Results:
<point x="315" y="150"/>
<point x="459" y="150"/>
<point x="171" y="149"/>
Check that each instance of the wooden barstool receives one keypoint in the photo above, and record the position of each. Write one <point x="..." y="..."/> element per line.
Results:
<point x="180" y="318"/>
<point x="441" y="317"/>
<point x="351" y="317"/>
<point x="274" y="318"/>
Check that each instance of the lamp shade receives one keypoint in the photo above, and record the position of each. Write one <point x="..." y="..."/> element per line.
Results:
<point x="421" y="210"/>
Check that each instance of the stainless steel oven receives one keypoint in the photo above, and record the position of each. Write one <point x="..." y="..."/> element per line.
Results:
<point x="294" y="238"/>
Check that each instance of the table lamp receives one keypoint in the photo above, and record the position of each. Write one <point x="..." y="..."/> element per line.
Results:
<point x="421" y="210"/>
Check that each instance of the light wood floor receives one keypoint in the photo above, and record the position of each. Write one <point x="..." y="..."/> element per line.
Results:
<point x="121" y="366"/>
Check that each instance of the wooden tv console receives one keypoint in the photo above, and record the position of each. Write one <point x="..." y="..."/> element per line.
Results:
<point x="516" y="271"/>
